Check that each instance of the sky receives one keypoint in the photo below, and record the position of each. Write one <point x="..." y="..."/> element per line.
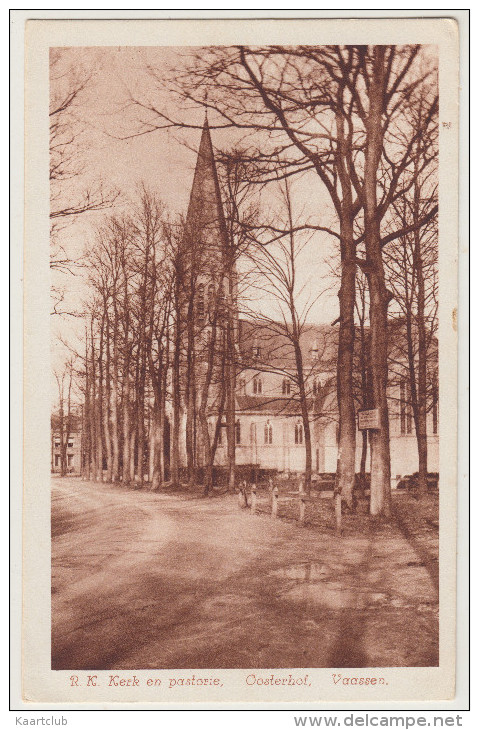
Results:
<point x="164" y="160"/>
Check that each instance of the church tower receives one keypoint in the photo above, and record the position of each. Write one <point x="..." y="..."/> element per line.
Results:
<point x="206" y="231"/>
<point x="212" y="313"/>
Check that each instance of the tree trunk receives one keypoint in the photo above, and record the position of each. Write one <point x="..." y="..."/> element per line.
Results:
<point x="175" y="436"/>
<point x="346" y="464"/>
<point x="303" y="401"/>
<point x="87" y="416"/>
<point x="100" y="407"/>
<point x="93" y="409"/>
<point x="346" y="406"/>
<point x="163" y="417"/>
<point x="141" y="435"/>
<point x="365" y="397"/>
<point x="380" y="503"/>
<point x="133" y="442"/>
<point x="362" y="468"/>
<point x="380" y="454"/>
<point x="107" y="408"/>
<point x="190" y="393"/>
<point x="156" y="446"/>
<point x="421" y="411"/>
<point x="126" y="427"/>
<point x="202" y="411"/>
<point x="219" y="419"/>
<point x="230" y="393"/>
<point x="115" y="437"/>
<point x="151" y="446"/>
<point x="205" y="434"/>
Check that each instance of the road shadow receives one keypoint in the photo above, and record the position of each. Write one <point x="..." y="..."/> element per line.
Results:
<point x="348" y="650"/>
<point x="428" y="561"/>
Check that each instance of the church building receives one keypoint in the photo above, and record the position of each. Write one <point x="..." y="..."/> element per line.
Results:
<point x="262" y="392"/>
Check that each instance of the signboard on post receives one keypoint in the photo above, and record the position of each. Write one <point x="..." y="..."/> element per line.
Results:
<point x="368" y="419"/>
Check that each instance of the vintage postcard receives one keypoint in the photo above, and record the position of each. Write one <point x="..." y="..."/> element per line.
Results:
<point x="240" y="461"/>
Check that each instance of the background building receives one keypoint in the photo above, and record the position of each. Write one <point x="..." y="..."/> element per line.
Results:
<point x="66" y="436"/>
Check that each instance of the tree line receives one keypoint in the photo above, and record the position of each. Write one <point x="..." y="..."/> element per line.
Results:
<point x="364" y="120"/>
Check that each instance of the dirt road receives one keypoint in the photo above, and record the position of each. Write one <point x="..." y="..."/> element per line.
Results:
<point x="143" y="580"/>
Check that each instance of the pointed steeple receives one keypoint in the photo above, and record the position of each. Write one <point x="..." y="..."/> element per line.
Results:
<point x="205" y="221"/>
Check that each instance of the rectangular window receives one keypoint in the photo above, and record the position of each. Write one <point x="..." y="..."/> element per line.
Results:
<point x="57" y="459"/>
<point x="70" y="459"/>
<point x="70" y="444"/>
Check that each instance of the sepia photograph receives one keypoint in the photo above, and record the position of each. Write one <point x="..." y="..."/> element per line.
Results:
<point x="246" y="367"/>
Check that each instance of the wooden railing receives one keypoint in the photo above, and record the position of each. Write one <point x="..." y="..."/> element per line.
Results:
<point x="248" y="498"/>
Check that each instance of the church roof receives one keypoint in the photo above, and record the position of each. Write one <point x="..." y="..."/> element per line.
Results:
<point x="319" y="344"/>
<point x="264" y="345"/>
<point x="275" y="406"/>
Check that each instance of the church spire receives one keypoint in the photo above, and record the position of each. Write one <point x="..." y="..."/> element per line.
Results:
<point x="205" y="219"/>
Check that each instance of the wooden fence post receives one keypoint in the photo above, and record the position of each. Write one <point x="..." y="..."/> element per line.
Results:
<point x="242" y="496"/>
<point x="274" y="502"/>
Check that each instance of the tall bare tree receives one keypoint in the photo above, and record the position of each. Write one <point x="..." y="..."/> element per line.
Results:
<point x="72" y="192"/>
<point x="334" y="110"/>
<point x="411" y="269"/>
<point x="277" y="271"/>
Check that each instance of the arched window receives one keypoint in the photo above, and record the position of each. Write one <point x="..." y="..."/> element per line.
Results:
<point x="268" y="433"/>
<point x="200" y="302"/>
<point x="286" y="386"/>
<point x="315" y="387"/>
<point x="257" y="385"/>
<point x="298" y="433"/>
<point x="238" y="431"/>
